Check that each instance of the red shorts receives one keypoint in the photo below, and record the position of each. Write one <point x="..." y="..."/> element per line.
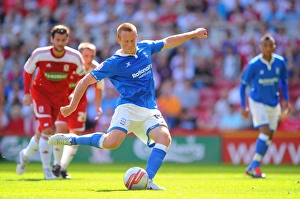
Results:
<point x="75" y="121"/>
<point x="45" y="113"/>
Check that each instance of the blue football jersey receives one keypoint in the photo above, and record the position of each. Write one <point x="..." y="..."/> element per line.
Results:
<point x="132" y="75"/>
<point x="263" y="77"/>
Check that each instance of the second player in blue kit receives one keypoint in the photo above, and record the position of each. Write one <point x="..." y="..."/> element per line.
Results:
<point x="264" y="74"/>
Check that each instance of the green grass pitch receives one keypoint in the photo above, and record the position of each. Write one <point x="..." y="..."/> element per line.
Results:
<point x="183" y="181"/>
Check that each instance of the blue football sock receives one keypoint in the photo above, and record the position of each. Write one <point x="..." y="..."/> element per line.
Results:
<point x="155" y="160"/>
<point x="262" y="144"/>
<point x="89" y="139"/>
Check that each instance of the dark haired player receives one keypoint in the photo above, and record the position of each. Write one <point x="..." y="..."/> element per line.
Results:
<point x="264" y="74"/>
<point x="48" y="92"/>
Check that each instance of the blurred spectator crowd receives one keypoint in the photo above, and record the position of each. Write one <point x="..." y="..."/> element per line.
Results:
<point x="196" y="83"/>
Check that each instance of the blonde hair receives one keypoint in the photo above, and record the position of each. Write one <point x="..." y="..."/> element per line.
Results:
<point x="87" y="45"/>
<point x="125" y="27"/>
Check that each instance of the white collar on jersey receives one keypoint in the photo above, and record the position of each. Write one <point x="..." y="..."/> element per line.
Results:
<point x="118" y="52"/>
<point x="266" y="62"/>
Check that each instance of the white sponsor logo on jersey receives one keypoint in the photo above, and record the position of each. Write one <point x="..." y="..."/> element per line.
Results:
<point x="142" y="72"/>
<point x="268" y="81"/>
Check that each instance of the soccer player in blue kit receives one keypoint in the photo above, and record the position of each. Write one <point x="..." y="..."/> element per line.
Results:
<point x="130" y="71"/>
<point x="264" y="74"/>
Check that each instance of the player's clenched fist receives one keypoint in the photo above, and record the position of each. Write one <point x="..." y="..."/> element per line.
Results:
<point x="201" y="32"/>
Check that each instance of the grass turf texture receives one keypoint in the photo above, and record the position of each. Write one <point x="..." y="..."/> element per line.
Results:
<point x="181" y="180"/>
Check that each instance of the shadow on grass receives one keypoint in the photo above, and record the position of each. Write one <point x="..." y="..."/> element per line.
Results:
<point x="122" y="190"/>
<point x="26" y="179"/>
<point x="112" y="190"/>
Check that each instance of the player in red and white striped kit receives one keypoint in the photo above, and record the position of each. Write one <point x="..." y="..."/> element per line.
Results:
<point x="75" y="122"/>
<point x="48" y="92"/>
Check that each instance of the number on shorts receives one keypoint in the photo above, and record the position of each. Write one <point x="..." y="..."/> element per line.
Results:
<point x="81" y="116"/>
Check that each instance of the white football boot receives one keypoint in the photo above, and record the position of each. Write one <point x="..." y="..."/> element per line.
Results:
<point x="22" y="163"/>
<point x="60" y="139"/>
<point x="48" y="175"/>
<point x="153" y="186"/>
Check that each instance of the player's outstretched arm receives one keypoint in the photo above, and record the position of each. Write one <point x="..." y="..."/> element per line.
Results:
<point x="176" y="40"/>
<point x="79" y="91"/>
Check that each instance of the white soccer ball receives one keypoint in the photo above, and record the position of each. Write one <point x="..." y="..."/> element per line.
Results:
<point x="136" y="178"/>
